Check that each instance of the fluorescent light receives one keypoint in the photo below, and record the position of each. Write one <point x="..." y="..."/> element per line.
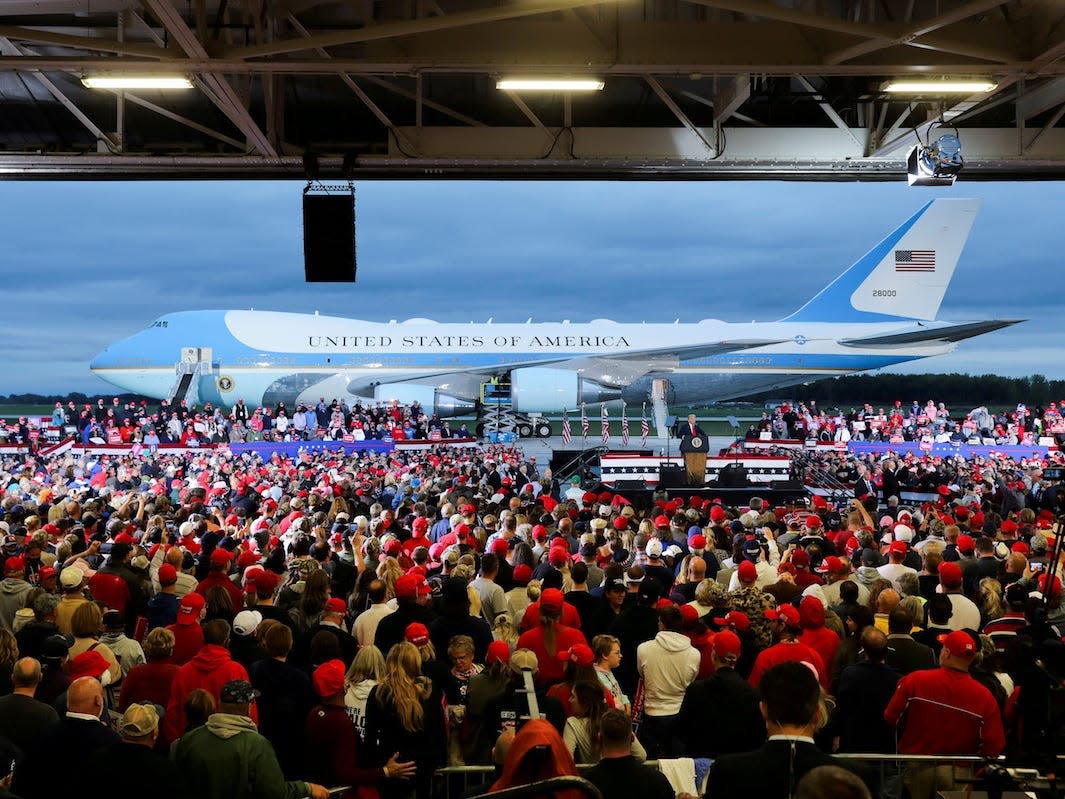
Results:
<point x="550" y="84"/>
<point x="969" y="86"/>
<point x="136" y="82"/>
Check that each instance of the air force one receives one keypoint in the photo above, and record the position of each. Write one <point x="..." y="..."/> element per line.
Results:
<point x="880" y="312"/>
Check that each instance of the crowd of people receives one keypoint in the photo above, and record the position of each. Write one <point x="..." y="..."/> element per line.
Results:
<point x="931" y="422"/>
<point x="121" y="422"/>
<point x="228" y="626"/>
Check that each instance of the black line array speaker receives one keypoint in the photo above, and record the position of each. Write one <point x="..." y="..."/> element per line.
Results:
<point x="329" y="238"/>
<point x="630" y="485"/>
<point x="672" y="475"/>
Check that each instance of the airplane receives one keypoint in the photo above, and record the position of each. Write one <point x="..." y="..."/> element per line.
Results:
<point x="878" y="313"/>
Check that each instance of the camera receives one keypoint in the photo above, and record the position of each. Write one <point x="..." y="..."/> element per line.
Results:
<point x="1054" y="473"/>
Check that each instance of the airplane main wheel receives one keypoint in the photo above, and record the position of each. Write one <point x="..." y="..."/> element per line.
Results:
<point x="543" y="430"/>
<point x="525" y="430"/>
<point x="479" y="430"/>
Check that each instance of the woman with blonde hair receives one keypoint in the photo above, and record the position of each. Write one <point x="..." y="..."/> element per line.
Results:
<point x="405" y="717"/>
<point x="85" y="625"/>
<point x="990" y="600"/>
<point x="363" y="675"/>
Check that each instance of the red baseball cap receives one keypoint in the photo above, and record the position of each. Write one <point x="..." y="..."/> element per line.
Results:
<point x="966" y="543"/>
<point x="697" y="542"/>
<point x="581" y="654"/>
<point x="522" y="574"/>
<point x="747" y="572"/>
<point x="89" y="663"/>
<point x="959" y="643"/>
<point x="734" y="618"/>
<point x="785" y="613"/>
<point x="727" y="646"/>
<point x="950" y="574"/>
<point x="417" y="634"/>
<point x="898" y="548"/>
<point x="406" y="586"/>
<point x="220" y="556"/>
<point x="689" y="614"/>
<point x="551" y="601"/>
<point x="335" y="605"/>
<point x="500" y="546"/>
<point x="189" y="609"/>
<point x="329" y="678"/>
<point x="167" y="574"/>
<point x="498" y="652"/>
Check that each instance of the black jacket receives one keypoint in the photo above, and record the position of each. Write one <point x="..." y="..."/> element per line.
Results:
<point x="771" y="772"/>
<point x="721" y="716"/>
<point x="904" y="654"/>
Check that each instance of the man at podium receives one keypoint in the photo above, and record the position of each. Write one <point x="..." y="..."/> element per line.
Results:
<point x="694" y="444"/>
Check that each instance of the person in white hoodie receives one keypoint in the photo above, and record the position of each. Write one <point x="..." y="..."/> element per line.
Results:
<point x="668" y="664"/>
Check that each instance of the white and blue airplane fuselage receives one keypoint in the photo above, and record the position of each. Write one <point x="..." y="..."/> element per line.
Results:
<point x="880" y="312"/>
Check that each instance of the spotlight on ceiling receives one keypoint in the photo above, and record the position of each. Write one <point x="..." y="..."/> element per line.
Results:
<point x="550" y="84"/>
<point x="136" y="82"/>
<point x="936" y="163"/>
<point x="939" y="86"/>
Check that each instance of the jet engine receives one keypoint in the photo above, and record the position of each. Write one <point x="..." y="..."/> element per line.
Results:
<point x="541" y="389"/>
<point x="430" y="398"/>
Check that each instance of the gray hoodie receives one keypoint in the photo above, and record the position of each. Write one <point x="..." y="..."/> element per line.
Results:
<point x="13" y="592"/>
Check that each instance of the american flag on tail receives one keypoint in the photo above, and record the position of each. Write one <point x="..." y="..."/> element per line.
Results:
<point x="624" y="427"/>
<point x="644" y="427"/>
<point x="566" y="435"/>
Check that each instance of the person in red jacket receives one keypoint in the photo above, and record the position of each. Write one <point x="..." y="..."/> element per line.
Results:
<point x="212" y="668"/>
<point x="549" y="638"/>
<point x="151" y="681"/>
<point x="188" y="635"/>
<point x="944" y="711"/>
<point x="219" y="575"/>
<point x="815" y="635"/>
<point x="785" y="625"/>
<point x="332" y="742"/>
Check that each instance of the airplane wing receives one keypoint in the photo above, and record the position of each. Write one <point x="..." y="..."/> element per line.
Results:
<point x="615" y="370"/>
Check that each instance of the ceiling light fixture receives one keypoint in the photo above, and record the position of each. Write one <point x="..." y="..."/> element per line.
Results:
<point x="550" y="84"/>
<point x="136" y="82"/>
<point x="944" y="86"/>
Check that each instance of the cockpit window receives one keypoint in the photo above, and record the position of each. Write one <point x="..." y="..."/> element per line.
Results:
<point x="158" y="323"/>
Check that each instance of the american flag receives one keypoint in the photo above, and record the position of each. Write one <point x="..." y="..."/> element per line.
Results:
<point x="606" y="426"/>
<point x="915" y="260"/>
<point x="644" y="427"/>
<point x="584" y="424"/>
<point x="566" y="435"/>
<point x="624" y="427"/>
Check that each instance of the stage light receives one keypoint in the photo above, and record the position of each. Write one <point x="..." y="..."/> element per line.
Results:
<point x="936" y="163"/>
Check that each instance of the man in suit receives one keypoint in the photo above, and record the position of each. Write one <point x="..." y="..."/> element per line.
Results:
<point x="791" y="706"/>
<point x="693" y="440"/>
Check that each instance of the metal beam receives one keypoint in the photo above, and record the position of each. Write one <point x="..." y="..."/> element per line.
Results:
<point x="443" y="109"/>
<point x="917" y="31"/>
<point x="1041" y="98"/>
<point x="8" y="46"/>
<point x="731" y="97"/>
<point x="671" y="104"/>
<point x="830" y="112"/>
<point x="102" y="45"/>
<point x="229" y="102"/>
<point x="411" y="27"/>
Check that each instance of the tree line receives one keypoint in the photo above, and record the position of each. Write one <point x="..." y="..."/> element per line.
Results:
<point x="953" y="389"/>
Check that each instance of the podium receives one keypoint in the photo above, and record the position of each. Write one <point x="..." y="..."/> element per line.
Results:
<point x="694" y="449"/>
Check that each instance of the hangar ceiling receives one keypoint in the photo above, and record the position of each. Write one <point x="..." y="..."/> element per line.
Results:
<point x="407" y="88"/>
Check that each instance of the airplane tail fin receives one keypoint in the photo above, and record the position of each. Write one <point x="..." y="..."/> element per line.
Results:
<point x="904" y="276"/>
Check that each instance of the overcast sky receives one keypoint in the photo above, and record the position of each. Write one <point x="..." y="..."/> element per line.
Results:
<point x="89" y="263"/>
